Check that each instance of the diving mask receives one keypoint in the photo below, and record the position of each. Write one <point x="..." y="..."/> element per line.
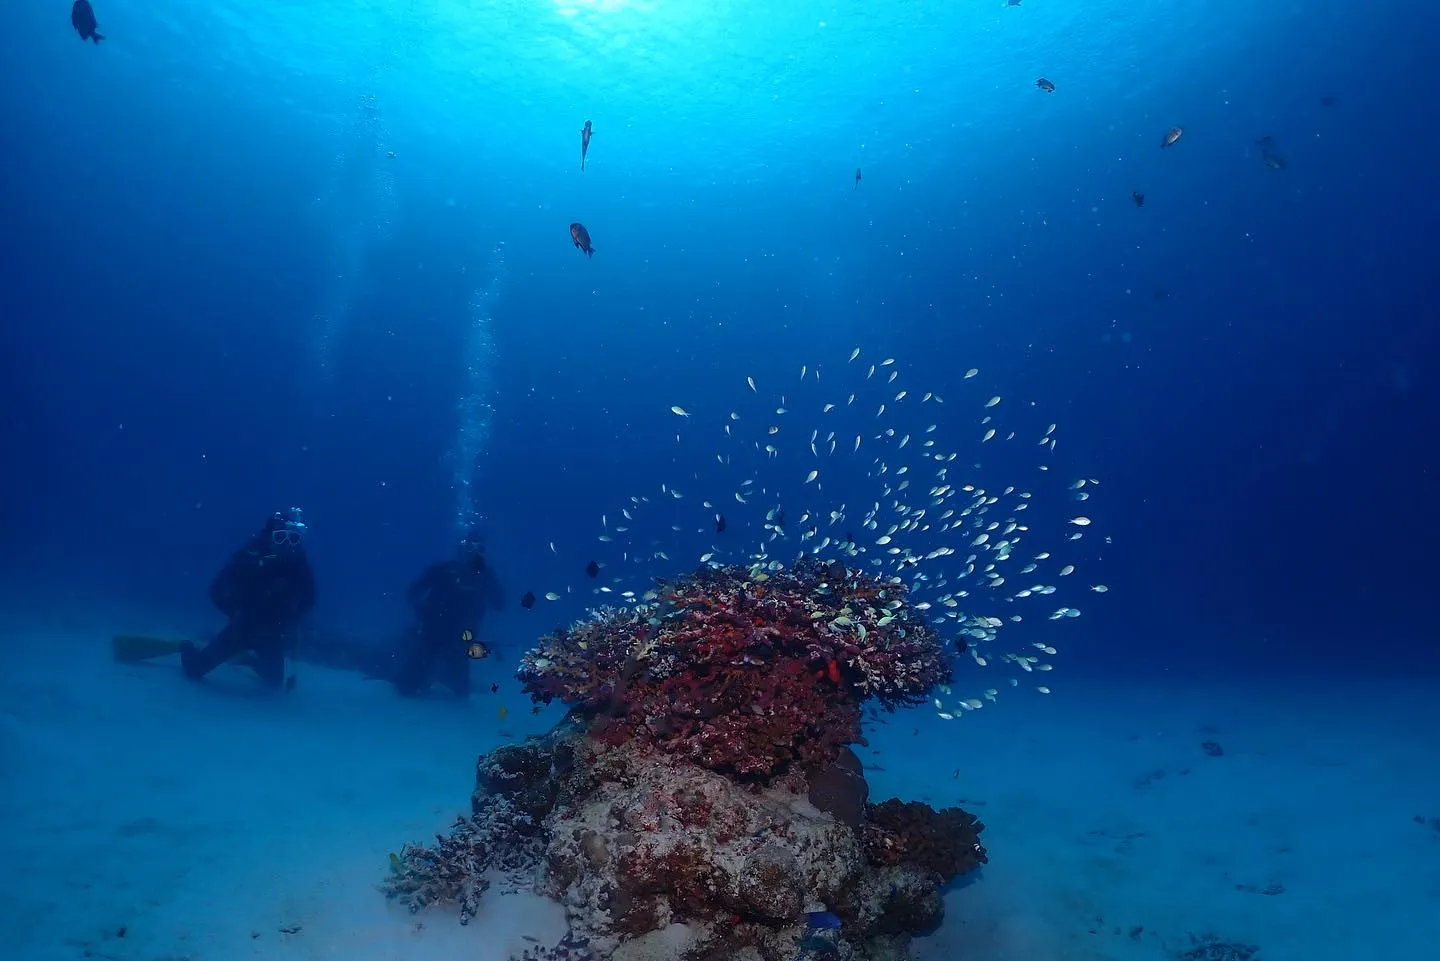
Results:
<point x="290" y="530"/>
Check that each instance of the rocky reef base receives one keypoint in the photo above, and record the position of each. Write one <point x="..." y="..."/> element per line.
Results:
<point x="654" y="856"/>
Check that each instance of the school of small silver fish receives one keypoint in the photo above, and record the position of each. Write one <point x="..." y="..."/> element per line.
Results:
<point x="962" y="546"/>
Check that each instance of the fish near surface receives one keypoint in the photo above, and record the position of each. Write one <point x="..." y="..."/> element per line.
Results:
<point x="581" y="236"/>
<point x="82" y="18"/>
<point x="857" y="178"/>
<point x="584" y="143"/>
<point x="1045" y="85"/>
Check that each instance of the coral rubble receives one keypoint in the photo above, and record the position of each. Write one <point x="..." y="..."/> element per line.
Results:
<point x="700" y="802"/>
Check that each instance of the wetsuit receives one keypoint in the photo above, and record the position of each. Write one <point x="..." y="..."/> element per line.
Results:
<point x="264" y="590"/>
<point x="448" y="599"/>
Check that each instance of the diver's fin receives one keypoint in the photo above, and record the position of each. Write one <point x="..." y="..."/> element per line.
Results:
<point x="131" y="648"/>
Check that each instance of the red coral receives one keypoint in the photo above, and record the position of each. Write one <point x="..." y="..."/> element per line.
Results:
<point x="743" y="671"/>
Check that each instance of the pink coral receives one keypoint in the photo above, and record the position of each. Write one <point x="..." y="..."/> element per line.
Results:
<point x="744" y="671"/>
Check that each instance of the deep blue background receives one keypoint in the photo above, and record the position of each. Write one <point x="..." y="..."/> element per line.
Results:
<point x="1248" y="363"/>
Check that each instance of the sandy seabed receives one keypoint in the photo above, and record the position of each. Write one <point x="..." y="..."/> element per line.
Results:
<point x="145" y="818"/>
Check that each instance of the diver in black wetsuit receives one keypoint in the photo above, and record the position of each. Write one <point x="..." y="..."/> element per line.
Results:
<point x="264" y="590"/>
<point x="449" y="600"/>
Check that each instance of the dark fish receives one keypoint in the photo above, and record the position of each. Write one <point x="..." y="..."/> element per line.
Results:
<point x="1138" y="197"/>
<point x="1012" y="3"/>
<point x="857" y="178"/>
<point x="584" y="146"/>
<point x="581" y="236"/>
<point x="477" y="651"/>
<point x="495" y="688"/>
<point x="528" y="601"/>
<point x="592" y="569"/>
<point x="82" y="18"/>
<point x="1267" y="153"/>
<point x="1171" y="135"/>
<point x="720" y="524"/>
<point x="1045" y="85"/>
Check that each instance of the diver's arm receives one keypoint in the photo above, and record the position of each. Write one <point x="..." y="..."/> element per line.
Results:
<point x="231" y="586"/>
<point x="307" y="587"/>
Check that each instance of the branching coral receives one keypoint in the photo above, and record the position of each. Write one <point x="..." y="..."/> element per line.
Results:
<point x="498" y="837"/>
<point x="451" y="872"/>
<point x="945" y="843"/>
<point x="743" y="670"/>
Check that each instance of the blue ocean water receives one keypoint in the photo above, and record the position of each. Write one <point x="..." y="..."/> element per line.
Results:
<point x="264" y="254"/>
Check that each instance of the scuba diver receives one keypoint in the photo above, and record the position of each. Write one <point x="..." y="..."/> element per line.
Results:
<point x="264" y="590"/>
<point x="449" y="599"/>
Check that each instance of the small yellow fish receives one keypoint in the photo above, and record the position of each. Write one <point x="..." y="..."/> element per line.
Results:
<point x="396" y="865"/>
<point x="503" y="713"/>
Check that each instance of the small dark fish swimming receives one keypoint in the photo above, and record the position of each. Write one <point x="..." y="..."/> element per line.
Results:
<point x="1268" y="155"/>
<point x="593" y="569"/>
<point x="1138" y="197"/>
<point x="1171" y="135"/>
<point x="857" y="178"/>
<point x="584" y="143"/>
<point x="720" y="524"/>
<point x="1045" y="85"/>
<point x="528" y="601"/>
<point x="581" y="236"/>
<point x="477" y="651"/>
<point x="82" y="18"/>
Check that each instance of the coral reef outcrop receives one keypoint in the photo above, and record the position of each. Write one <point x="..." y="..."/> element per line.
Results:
<point x="744" y="671"/>
<point x="700" y="803"/>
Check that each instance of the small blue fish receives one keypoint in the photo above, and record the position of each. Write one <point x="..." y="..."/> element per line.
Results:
<point x="819" y="920"/>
